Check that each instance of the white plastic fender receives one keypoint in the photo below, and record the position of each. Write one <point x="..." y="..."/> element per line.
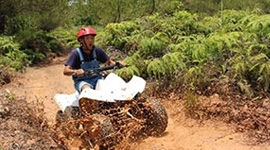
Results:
<point x="64" y="100"/>
<point x="110" y="89"/>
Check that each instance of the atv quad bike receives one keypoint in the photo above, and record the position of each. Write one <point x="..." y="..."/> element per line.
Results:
<point x="114" y="112"/>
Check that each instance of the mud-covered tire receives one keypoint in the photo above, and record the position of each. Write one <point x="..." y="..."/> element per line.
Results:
<point x="104" y="139"/>
<point x="60" y="118"/>
<point x="93" y="131"/>
<point x="73" y="113"/>
<point x="70" y="112"/>
<point x="156" y="118"/>
<point x="106" y="125"/>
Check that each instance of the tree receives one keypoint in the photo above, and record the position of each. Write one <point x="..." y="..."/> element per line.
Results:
<point x="35" y="14"/>
<point x="7" y="9"/>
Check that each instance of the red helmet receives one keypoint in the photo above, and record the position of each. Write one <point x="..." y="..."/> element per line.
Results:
<point x="86" y="31"/>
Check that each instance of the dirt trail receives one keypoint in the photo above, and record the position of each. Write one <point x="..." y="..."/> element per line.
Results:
<point x="182" y="133"/>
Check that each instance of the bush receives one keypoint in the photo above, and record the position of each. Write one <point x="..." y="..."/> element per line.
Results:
<point x="11" y="57"/>
<point x="37" y="44"/>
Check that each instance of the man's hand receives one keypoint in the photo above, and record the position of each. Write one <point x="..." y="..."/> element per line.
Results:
<point x="123" y="64"/>
<point x="78" y="72"/>
<point x="120" y="64"/>
<point x="68" y="71"/>
<point x="111" y="63"/>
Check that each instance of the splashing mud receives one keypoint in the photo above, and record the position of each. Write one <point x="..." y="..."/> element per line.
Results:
<point x="22" y="125"/>
<point x="109" y="126"/>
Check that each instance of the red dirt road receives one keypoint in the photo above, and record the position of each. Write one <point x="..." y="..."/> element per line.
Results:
<point x="182" y="132"/>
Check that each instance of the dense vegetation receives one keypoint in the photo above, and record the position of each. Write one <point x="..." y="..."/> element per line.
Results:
<point x="194" y="53"/>
<point x="189" y="44"/>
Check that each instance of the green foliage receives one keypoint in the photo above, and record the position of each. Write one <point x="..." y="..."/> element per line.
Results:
<point x="240" y="64"/>
<point x="191" y="102"/>
<point x="37" y="44"/>
<point x="188" y="22"/>
<point x="219" y="42"/>
<point x="156" y="68"/>
<point x="107" y="11"/>
<point x="161" y="36"/>
<point x="174" y="62"/>
<point x="192" y="76"/>
<point x="135" y="59"/>
<point x="169" y="6"/>
<point x="259" y="24"/>
<point x="168" y="40"/>
<point x="183" y="49"/>
<point x="212" y="7"/>
<point x="136" y="66"/>
<point x="151" y="48"/>
<point x="251" y="65"/>
<point x="18" y="24"/>
<point x="118" y="33"/>
<point x="185" y="16"/>
<point x="231" y="20"/>
<point x="67" y="37"/>
<point x="261" y="69"/>
<point x="128" y="72"/>
<point x="245" y="88"/>
<point x="211" y="23"/>
<point x="35" y="14"/>
<point x="169" y="64"/>
<point x="11" y="57"/>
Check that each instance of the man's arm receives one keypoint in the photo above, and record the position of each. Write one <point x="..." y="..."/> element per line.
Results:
<point x="68" y="71"/>
<point x="111" y="62"/>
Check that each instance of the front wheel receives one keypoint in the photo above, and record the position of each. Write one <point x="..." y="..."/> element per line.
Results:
<point x="156" y="118"/>
<point x="71" y="112"/>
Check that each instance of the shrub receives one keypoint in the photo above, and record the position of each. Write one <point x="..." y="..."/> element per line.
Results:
<point x="11" y="57"/>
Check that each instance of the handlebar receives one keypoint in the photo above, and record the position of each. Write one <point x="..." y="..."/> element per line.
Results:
<point x="99" y="70"/>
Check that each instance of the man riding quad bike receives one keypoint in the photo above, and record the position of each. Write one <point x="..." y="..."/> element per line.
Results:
<point x="104" y="111"/>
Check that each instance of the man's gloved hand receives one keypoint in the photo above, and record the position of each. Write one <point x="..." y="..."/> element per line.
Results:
<point x="120" y="64"/>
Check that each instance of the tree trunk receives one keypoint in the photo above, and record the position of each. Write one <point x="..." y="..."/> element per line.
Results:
<point x="153" y="7"/>
<point x="2" y="17"/>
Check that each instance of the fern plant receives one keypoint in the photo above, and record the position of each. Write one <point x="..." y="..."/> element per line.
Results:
<point x="116" y="33"/>
<point x="231" y="20"/>
<point x="240" y="63"/>
<point x="150" y="47"/>
<point x="220" y="43"/>
<point x="136" y="66"/>
<point x="197" y="50"/>
<point x="192" y="75"/>
<point x="128" y="72"/>
<point x="174" y="62"/>
<point x="169" y="64"/>
<point x="246" y="88"/>
<point x="11" y="57"/>
<point x="156" y="68"/>
<point x="259" y="24"/>
<point x="188" y="22"/>
<point x="135" y="59"/>
<point x="211" y="23"/>
<point x="261" y="69"/>
<point x="66" y="37"/>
